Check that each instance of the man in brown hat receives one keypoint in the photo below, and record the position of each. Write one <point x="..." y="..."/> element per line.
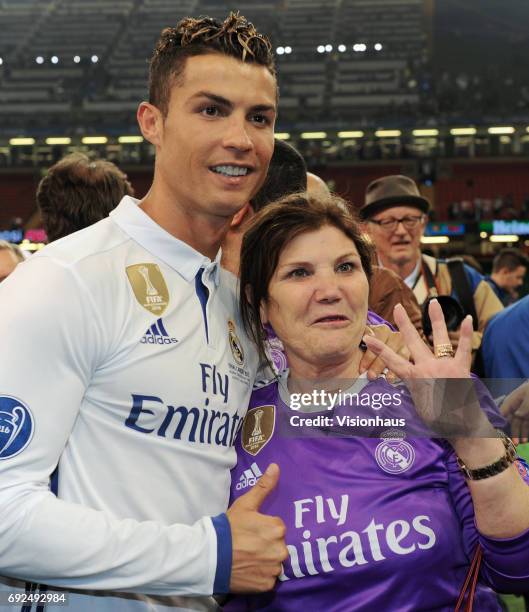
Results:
<point x="395" y="215"/>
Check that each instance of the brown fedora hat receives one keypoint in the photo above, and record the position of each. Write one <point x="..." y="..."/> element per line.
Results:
<point x="391" y="191"/>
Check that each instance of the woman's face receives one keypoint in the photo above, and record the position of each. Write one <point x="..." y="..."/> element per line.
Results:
<point x="317" y="297"/>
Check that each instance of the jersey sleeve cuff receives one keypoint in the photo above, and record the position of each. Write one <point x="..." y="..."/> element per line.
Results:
<point x="509" y="554"/>
<point x="224" y="553"/>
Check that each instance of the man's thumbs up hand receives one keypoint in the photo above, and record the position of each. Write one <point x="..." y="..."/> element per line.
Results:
<point x="258" y="540"/>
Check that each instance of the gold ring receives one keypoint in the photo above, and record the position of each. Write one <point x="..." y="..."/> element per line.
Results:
<point x="443" y="350"/>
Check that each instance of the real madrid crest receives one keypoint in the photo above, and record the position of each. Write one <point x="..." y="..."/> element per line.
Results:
<point x="235" y="344"/>
<point x="257" y="428"/>
<point x="394" y="455"/>
<point x="149" y="286"/>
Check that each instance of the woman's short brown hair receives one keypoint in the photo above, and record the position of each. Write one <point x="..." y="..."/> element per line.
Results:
<point x="268" y="234"/>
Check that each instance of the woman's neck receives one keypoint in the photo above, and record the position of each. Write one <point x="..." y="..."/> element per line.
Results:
<point x="303" y="374"/>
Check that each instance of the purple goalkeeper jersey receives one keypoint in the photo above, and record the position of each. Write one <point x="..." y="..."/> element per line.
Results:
<point x="383" y="524"/>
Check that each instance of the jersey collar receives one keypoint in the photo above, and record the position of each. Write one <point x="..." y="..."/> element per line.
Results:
<point x="152" y="237"/>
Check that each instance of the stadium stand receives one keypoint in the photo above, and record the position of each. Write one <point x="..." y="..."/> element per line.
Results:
<point x="121" y="34"/>
<point x="75" y="68"/>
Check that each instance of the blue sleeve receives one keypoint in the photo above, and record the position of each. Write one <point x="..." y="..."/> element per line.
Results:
<point x="505" y="342"/>
<point x="224" y="554"/>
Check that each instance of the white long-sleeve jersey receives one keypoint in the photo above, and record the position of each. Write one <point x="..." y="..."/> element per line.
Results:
<point x="120" y="369"/>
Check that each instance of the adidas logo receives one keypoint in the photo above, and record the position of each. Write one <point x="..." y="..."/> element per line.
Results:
<point x="157" y="334"/>
<point x="249" y="477"/>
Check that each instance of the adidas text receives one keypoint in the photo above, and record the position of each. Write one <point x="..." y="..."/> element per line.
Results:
<point x="158" y="340"/>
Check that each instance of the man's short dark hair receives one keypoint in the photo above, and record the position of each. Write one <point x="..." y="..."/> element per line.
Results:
<point x="287" y="174"/>
<point x="235" y="37"/>
<point x="77" y="192"/>
<point x="509" y="259"/>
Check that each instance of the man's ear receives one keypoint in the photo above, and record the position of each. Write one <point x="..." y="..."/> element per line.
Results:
<point x="150" y="121"/>
<point x="238" y="217"/>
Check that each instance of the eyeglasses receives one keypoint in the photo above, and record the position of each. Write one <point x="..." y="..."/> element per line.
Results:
<point x="390" y="224"/>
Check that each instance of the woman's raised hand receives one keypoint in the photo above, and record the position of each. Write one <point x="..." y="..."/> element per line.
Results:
<point x="439" y="381"/>
<point x="440" y="363"/>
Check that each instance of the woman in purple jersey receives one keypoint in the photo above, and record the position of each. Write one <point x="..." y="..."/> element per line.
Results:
<point x="377" y="519"/>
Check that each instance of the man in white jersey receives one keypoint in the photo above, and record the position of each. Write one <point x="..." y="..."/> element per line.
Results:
<point x="125" y="365"/>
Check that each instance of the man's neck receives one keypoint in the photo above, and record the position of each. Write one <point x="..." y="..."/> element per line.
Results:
<point x="231" y="253"/>
<point x="204" y="234"/>
<point x="402" y="269"/>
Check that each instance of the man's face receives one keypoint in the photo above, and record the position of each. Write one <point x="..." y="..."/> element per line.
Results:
<point x="214" y="145"/>
<point x="400" y="245"/>
<point x="512" y="279"/>
<point x="8" y="262"/>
